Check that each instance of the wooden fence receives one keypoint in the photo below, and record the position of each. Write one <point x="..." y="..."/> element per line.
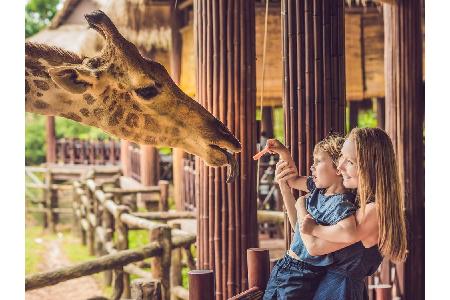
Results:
<point x="88" y="152"/>
<point x="103" y="222"/>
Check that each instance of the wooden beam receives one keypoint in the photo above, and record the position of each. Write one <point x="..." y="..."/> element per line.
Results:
<point x="103" y="263"/>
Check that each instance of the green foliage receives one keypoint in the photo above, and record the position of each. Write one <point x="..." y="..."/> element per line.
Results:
<point x="34" y="139"/>
<point x="35" y="135"/>
<point x="38" y="14"/>
<point x="367" y="118"/>
<point x="66" y="128"/>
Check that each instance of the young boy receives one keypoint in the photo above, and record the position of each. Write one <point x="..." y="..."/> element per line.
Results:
<point x="297" y="274"/>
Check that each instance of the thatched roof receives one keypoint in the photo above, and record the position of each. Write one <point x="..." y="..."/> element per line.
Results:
<point x="76" y="38"/>
<point x="143" y="22"/>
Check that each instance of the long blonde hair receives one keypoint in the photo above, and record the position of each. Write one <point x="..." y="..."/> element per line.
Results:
<point x="379" y="181"/>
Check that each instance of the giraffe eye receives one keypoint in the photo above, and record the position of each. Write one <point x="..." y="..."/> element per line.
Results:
<point x="147" y="92"/>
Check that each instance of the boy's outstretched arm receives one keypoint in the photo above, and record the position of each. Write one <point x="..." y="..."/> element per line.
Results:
<point x="342" y="232"/>
<point x="298" y="182"/>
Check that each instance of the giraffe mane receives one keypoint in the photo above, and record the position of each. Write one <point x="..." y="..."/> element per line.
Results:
<point x="51" y="53"/>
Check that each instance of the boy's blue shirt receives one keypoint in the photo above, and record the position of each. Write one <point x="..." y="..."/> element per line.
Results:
<point x="326" y="210"/>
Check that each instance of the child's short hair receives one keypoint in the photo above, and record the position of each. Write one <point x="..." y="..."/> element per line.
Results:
<point x="332" y="145"/>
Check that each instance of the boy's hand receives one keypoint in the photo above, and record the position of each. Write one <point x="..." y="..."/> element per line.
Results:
<point x="308" y="225"/>
<point x="275" y="146"/>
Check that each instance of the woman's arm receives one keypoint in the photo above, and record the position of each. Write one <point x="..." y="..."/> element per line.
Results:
<point x="367" y="226"/>
<point x="342" y="232"/>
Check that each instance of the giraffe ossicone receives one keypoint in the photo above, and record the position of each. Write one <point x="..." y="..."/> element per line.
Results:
<point x="126" y="95"/>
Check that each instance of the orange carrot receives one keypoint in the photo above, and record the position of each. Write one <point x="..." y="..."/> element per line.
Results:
<point x="261" y="153"/>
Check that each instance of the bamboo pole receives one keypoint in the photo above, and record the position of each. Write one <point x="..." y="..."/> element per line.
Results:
<point x="404" y="105"/>
<point x="226" y="87"/>
<point x="313" y="68"/>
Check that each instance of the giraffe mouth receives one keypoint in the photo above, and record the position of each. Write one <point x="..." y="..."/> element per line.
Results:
<point x="232" y="165"/>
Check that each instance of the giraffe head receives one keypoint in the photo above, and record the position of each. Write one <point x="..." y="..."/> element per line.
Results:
<point x="127" y="95"/>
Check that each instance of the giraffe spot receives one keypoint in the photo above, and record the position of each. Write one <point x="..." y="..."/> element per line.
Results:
<point x="132" y="120"/>
<point x="39" y="94"/>
<point x="42" y="85"/>
<point x="88" y="98"/>
<point x="112" y="105"/>
<point x="116" y="116"/>
<point x="175" y="131"/>
<point x="121" y="86"/>
<point x="136" y="107"/>
<point x="40" y="104"/>
<point x="27" y="87"/>
<point x="126" y="97"/>
<point x="150" y="123"/>
<point x="99" y="112"/>
<point x="150" y="139"/>
<point x="40" y="73"/>
<point x="125" y="131"/>
<point x="72" y="116"/>
<point x="85" y="112"/>
<point x="67" y="101"/>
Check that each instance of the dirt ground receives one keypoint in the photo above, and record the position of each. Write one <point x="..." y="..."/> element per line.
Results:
<point x="76" y="289"/>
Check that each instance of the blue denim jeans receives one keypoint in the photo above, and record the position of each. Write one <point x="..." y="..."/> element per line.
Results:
<point x="293" y="279"/>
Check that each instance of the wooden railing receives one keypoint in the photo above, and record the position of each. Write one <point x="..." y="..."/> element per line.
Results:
<point x="188" y="195"/>
<point x="88" y="152"/>
<point x="43" y="185"/>
<point x="100" y="214"/>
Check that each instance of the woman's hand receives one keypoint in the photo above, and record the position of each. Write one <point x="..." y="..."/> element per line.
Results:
<point x="284" y="172"/>
<point x="308" y="225"/>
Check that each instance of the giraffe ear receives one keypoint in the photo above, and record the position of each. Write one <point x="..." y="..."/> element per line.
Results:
<point x="74" y="79"/>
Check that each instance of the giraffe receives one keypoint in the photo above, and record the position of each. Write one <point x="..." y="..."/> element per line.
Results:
<point x="124" y="94"/>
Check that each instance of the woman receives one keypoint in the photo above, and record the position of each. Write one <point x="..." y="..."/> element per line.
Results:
<point x="368" y="165"/>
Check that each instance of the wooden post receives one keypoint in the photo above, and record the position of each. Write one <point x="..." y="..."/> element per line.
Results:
<point x="404" y="107"/>
<point x="201" y="285"/>
<point x="142" y="289"/>
<point x="353" y="113"/>
<point x="226" y="86"/>
<point x="118" y="284"/>
<point x="149" y="165"/>
<point x="164" y="195"/>
<point x="50" y="135"/>
<point x="160" y="266"/>
<point x="51" y="199"/>
<point x="383" y="292"/>
<point x="380" y="112"/>
<point x="258" y="262"/>
<point x="122" y="244"/>
<point x="125" y="158"/>
<point x="175" y="267"/>
<point x="108" y="228"/>
<point x="175" y="72"/>
<point x="267" y="121"/>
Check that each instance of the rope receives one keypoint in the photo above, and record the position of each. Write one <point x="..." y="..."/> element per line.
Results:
<point x="262" y="86"/>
